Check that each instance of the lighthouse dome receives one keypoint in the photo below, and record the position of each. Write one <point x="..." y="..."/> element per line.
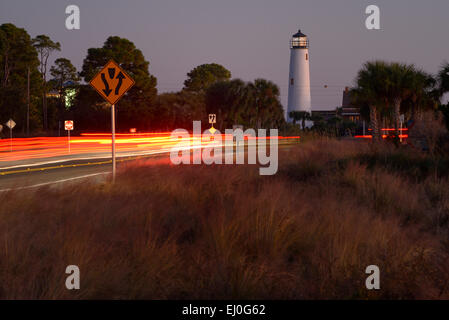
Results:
<point x="299" y="34"/>
<point x="299" y="40"/>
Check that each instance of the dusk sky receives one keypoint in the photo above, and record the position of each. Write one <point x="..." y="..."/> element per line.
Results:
<point x="248" y="37"/>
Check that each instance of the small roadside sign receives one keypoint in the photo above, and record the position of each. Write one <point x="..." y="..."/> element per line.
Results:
<point x="68" y="125"/>
<point x="10" y="124"/>
<point x="212" y="120"/>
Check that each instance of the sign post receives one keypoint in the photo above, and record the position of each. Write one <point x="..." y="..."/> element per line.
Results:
<point x="401" y="118"/>
<point x="212" y="120"/>
<point x="114" y="165"/>
<point x="10" y="124"/>
<point x="68" y="125"/>
<point x="112" y="82"/>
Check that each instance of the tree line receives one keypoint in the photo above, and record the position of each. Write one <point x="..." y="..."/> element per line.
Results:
<point x="385" y="90"/>
<point x="27" y="96"/>
<point x="24" y="86"/>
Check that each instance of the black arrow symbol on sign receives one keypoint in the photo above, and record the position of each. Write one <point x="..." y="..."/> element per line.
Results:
<point x="120" y="77"/>
<point x="106" y="89"/>
<point x="111" y="72"/>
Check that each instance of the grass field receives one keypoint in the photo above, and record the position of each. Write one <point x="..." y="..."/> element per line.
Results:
<point x="225" y="232"/>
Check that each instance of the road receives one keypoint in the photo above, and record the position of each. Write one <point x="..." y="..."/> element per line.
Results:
<point x="32" y="162"/>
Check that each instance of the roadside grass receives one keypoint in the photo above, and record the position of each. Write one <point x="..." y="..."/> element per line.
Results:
<point x="224" y="232"/>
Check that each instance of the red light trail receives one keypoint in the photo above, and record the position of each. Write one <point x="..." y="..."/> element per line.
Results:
<point x="384" y="136"/>
<point x="403" y="136"/>
<point x="100" y="143"/>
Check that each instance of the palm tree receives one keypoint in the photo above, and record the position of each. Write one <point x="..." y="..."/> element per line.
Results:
<point x="424" y="94"/>
<point x="443" y="88"/>
<point x="443" y="79"/>
<point x="371" y="91"/>
<point x="300" y="116"/>
<point x="239" y="99"/>
<point x="399" y="81"/>
<point x="229" y="100"/>
<point x="266" y="101"/>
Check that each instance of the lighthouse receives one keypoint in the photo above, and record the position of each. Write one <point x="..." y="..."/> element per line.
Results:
<point x="299" y="76"/>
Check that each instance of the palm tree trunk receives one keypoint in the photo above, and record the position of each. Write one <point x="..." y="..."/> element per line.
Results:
<point x="397" y="115"/>
<point x="374" y="123"/>
<point x="418" y="113"/>
<point x="413" y="112"/>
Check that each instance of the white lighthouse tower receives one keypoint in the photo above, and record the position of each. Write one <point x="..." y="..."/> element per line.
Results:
<point x="299" y="77"/>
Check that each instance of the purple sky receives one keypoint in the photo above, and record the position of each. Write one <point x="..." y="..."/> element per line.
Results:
<point x="249" y="37"/>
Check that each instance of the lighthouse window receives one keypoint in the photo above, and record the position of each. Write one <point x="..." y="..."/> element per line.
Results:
<point x="295" y="42"/>
<point x="292" y="81"/>
<point x="307" y="56"/>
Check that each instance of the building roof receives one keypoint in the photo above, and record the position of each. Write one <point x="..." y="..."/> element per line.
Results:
<point x="68" y="84"/>
<point x="299" y="34"/>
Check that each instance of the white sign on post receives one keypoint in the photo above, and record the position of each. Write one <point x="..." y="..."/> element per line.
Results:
<point x="68" y="125"/>
<point x="10" y="124"/>
<point x="401" y="120"/>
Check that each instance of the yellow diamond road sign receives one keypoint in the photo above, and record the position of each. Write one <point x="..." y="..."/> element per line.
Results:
<point x="112" y="82"/>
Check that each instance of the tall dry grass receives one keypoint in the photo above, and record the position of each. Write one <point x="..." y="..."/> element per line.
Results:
<point x="213" y="232"/>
